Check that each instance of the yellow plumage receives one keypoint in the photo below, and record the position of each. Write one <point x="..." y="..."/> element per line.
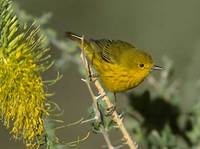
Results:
<point x="120" y="65"/>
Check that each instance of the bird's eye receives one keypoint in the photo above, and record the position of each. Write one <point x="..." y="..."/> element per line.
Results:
<point x="141" y="65"/>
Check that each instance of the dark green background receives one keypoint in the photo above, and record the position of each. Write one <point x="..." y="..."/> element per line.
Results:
<point x="163" y="28"/>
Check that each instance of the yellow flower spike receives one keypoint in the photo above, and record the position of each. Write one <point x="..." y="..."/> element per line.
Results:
<point x="22" y="94"/>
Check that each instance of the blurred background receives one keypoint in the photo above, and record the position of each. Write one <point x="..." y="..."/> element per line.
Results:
<point x="163" y="28"/>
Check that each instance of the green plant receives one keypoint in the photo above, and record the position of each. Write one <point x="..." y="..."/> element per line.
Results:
<point x="23" y="59"/>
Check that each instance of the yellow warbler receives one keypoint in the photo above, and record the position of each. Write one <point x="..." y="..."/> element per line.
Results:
<point x="120" y="65"/>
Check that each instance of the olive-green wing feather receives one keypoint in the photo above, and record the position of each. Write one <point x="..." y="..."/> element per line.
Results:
<point x="110" y="50"/>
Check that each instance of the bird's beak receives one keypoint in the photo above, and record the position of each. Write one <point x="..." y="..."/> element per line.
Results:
<point x="155" y="67"/>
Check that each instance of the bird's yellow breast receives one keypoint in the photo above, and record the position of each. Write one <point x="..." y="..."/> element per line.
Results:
<point x="117" y="78"/>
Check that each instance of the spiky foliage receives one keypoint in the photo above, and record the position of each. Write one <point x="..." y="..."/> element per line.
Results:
<point x="22" y="94"/>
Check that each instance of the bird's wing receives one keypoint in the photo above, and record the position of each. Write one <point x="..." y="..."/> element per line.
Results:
<point x="104" y="48"/>
<point x="110" y="50"/>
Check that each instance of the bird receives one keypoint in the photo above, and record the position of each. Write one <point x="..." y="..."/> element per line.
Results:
<point x="119" y="65"/>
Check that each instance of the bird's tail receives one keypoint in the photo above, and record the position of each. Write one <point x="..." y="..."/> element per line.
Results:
<point x="83" y="44"/>
<point x="74" y="37"/>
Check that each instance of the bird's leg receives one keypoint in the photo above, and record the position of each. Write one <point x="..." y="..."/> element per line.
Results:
<point x="89" y="71"/>
<point x="110" y="110"/>
<point x="115" y="99"/>
<point x="92" y="75"/>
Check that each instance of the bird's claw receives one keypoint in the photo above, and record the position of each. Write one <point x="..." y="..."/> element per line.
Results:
<point x="93" y="76"/>
<point x="109" y="111"/>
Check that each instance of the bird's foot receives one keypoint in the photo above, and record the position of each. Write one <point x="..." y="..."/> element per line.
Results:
<point x="110" y="110"/>
<point x="93" y="76"/>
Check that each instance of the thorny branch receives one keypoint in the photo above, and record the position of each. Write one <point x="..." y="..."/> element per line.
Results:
<point x="115" y="117"/>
